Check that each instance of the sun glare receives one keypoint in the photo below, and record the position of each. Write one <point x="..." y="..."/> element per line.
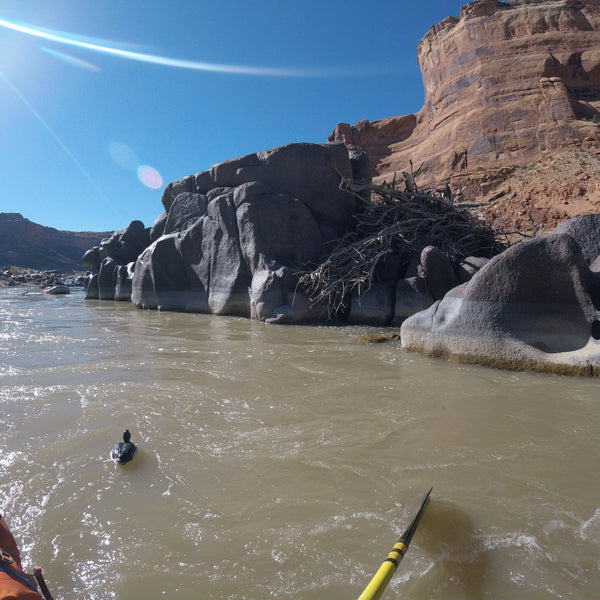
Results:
<point x="124" y="156"/>
<point x="150" y="177"/>
<point x="70" y="59"/>
<point x="93" y="45"/>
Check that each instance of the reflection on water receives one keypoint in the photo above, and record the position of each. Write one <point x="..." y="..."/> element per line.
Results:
<point x="283" y="461"/>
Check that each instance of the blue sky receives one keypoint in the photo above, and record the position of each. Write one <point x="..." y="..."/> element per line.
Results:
<point x="104" y="102"/>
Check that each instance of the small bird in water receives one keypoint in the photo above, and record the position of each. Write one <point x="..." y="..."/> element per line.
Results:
<point x="124" y="451"/>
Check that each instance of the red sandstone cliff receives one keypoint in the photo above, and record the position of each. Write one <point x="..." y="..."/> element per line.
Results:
<point x="27" y="244"/>
<point x="508" y="85"/>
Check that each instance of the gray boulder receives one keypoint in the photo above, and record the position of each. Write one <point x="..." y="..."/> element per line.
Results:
<point x="374" y="307"/>
<point x="159" y="280"/>
<point x="531" y="307"/>
<point x="222" y="264"/>
<point x="234" y="238"/>
<point x="278" y="228"/>
<point x="180" y="186"/>
<point x="107" y="279"/>
<point x="468" y="266"/>
<point x="187" y="207"/>
<point x="436" y="277"/>
<point x="585" y="230"/>
<point x="125" y="245"/>
<point x="272" y="301"/>
<point x="437" y="271"/>
<point x="302" y="171"/>
<point x="90" y="287"/>
<point x="412" y="296"/>
<point x="122" y="283"/>
<point x="92" y="259"/>
<point x="158" y="228"/>
<point x="297" y="309"/>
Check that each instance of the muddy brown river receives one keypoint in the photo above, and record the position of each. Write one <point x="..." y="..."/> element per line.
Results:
<point x="284" y="461"/>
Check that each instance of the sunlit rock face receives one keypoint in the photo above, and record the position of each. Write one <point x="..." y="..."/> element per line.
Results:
<point x="504" y="83"/>
<point x="233" y="238"/>
<point x="535" y="306"/>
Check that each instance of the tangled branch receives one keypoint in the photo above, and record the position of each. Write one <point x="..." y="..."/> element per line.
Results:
<point x="399" y="223"/>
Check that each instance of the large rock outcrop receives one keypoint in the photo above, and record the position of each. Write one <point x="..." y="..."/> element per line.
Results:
<point x="235" y="240"/>
<point x="535" y="306"/>
<point x="232" y="239"/>
<point x="110" y="278"/>
<point x="505" y="83"/>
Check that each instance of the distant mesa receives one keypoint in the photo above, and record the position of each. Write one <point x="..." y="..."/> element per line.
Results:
<point x="26" y="244"/>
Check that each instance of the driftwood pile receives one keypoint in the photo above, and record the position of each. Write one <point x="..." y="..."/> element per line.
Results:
<point x="398" y="223"/>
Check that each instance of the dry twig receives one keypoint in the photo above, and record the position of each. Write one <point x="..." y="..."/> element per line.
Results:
<point x="400" y="223"/>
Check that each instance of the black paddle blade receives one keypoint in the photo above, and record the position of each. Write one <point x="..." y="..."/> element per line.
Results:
<point x="410" y="530"/>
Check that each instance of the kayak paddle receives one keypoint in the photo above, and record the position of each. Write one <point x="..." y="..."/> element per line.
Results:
<point x="377" y="585"/>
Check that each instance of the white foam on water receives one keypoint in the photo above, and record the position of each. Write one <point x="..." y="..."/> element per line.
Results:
<point x="591" y="527"/>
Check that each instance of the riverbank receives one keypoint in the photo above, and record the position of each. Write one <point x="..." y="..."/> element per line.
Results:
<point x="14" y="276"/>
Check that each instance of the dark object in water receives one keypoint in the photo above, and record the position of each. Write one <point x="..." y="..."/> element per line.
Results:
<point x="124" y="451"/>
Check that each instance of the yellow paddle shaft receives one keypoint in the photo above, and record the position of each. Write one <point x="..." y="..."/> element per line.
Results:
<point x="385" y="573"/>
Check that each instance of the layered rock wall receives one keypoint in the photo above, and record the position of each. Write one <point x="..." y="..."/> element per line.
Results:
<point x="27" y="244"/>
<point x="504" y="83"/>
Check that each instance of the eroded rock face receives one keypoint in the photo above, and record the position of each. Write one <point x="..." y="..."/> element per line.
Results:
<point x="535" y="306"/>
<point x="233" y="238"/>
<point x="504" y="83"/>
<point x="585" y="230"/>
<point x="27" y="244"/>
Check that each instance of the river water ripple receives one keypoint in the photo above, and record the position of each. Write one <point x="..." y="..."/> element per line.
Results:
<point x="284" y="462"/>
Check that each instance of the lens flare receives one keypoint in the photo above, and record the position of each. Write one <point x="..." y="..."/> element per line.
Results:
<point x="124" y="155"/>
<point x="150" y="177"/>
<point x="56" y="137"/>
<point x="93" y="45"/>
<point x="70" y="59"/>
